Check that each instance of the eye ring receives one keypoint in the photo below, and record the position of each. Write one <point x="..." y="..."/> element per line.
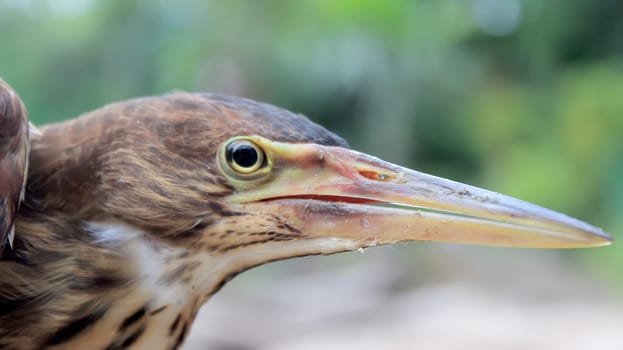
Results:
<point x="244" y="157"/>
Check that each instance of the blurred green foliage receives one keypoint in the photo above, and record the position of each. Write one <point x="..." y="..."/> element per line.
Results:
<point x="523" y="97"/>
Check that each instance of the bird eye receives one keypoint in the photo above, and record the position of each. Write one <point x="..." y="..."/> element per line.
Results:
<point x="244" y="156"/>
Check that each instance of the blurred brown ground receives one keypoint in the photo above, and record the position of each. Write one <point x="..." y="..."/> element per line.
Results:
<point x="463" y="298"/>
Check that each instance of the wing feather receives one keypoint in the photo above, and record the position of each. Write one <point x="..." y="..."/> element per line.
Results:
<point x="14" y="145"/>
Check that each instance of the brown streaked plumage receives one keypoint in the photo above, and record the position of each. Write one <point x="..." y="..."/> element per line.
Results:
<point x="134" y="214"/>
<point x="13" y="159"/>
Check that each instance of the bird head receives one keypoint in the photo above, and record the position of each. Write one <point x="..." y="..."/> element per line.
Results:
<point x="226" y="176"/>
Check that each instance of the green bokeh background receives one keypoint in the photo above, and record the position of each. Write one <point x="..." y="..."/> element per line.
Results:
<point x="521" y="97"/>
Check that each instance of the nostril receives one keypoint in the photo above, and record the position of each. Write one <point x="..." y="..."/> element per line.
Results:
<point x="373" y="175"/>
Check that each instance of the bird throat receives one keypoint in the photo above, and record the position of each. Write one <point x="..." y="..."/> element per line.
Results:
<point x="169" y="285"/>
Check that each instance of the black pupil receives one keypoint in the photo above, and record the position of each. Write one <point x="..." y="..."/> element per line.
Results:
<point x="245" y="155"/>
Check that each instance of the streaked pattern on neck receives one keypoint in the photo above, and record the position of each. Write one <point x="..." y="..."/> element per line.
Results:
<point x="171" y="285"/>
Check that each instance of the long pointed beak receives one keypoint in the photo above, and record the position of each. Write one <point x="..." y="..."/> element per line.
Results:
<point x="336" y="192"/>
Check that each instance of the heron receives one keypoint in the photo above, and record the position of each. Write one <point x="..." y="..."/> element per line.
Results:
<point x="118" y="225"/>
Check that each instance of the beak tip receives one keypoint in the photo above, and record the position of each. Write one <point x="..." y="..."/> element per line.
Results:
<point x="607" y="240"/>
<point x="599" y="238"/>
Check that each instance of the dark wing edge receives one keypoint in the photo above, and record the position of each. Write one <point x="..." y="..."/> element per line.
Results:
<point x="14" y="149"/>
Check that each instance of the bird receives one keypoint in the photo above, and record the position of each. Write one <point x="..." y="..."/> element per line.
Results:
<point x="118" y="225"/>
